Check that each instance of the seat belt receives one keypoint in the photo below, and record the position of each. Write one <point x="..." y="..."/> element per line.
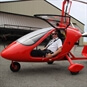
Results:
<point x="50" y="43"/>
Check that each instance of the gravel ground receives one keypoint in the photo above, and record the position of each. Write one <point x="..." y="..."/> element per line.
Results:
<point x="42" y="74"/>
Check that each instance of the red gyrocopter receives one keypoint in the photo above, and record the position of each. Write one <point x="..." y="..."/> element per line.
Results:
<point x="20" y="50"/>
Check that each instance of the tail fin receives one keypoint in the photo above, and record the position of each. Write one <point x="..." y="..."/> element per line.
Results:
<point x="84" y="51"/>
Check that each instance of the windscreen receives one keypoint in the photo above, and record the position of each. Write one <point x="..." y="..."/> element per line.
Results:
<point x="33" y="37"/>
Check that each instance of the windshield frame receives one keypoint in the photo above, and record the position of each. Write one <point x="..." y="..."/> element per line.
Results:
<point x="56" y="23"/>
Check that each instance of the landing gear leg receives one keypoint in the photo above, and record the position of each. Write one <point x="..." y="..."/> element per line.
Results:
<point x="15" y="66"/>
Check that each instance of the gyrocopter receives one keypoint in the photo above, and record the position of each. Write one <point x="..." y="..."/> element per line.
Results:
<point x="20" y="50"/>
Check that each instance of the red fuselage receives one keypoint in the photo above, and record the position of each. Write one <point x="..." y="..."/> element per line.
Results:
<point x="17" y="51"/>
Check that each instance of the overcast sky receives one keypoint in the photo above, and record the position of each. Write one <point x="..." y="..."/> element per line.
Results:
<point x="78" y="10"/>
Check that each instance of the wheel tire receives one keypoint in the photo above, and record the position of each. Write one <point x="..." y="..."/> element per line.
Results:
<point x="15" y="67"/>
<point x="50" y="62"/>
<point x="74" y="73"/>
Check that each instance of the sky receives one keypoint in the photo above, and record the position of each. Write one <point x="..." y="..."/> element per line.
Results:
<point x="78" y="11"/>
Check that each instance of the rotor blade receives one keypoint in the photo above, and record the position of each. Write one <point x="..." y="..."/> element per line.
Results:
<point x="80" y="1"/>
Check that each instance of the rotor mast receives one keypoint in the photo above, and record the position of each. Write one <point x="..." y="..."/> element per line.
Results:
<point x="66" y="5"/>
<point x="63" y="7"/>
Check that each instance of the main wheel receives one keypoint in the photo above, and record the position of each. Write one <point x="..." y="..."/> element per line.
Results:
<point x="15" y="67"/>
<point x="74" y="73"/>
<point x="50" y="62"/>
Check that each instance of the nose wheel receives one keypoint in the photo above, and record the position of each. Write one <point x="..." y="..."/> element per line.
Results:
<point x="15" y="67"/>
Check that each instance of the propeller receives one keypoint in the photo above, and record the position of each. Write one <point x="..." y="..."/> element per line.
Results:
<point x="84" y="34"/>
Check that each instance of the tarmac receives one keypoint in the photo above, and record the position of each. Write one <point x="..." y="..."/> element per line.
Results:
<point x="42" y="74"/>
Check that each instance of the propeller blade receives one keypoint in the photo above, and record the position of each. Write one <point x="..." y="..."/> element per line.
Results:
<point x="84" y="34"/>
